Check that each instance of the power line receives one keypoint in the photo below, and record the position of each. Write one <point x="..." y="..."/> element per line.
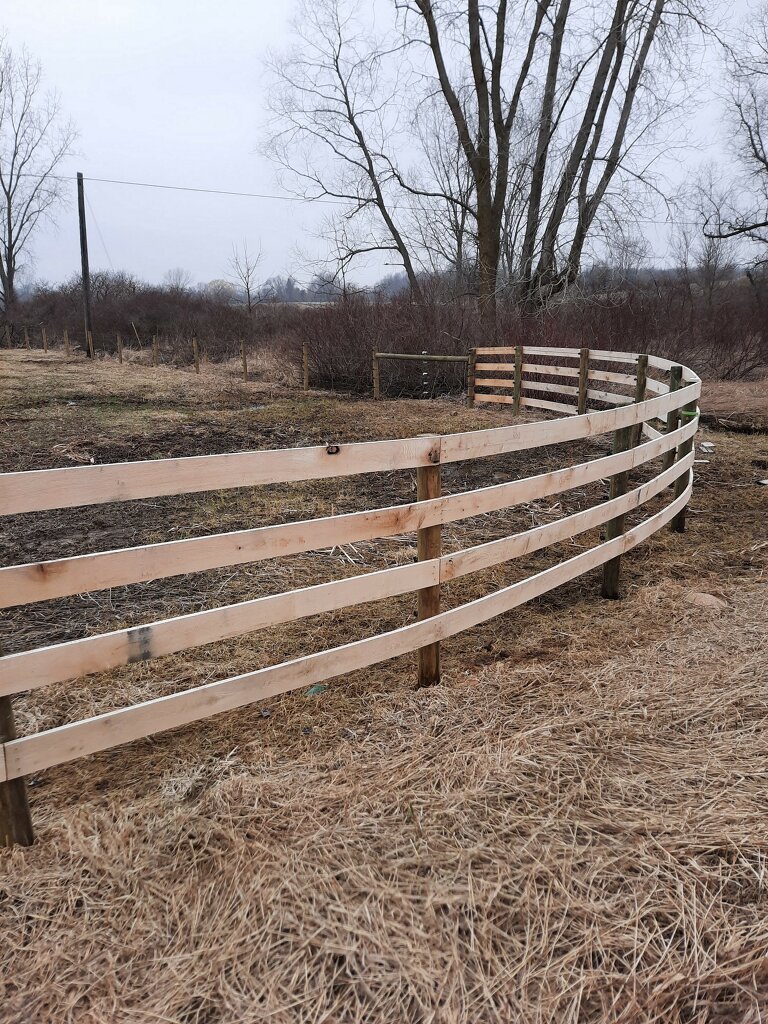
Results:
<point x="208" y="191"/>
<point x="300" y="199"/>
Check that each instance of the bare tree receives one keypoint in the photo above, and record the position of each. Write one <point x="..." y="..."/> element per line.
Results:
<point x="542" y="118"/>
<point x="35" y="138"/>
<point x="177" y="279"/>
<point x="335" y="115"/>
<point x="441" y="221"/>
<point x="727" y="215"/>
<point x="243" y="266"/>
<point x="573" y="89"/>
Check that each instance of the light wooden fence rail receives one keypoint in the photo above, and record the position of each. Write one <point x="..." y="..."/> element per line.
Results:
<point x="644" y="430"/>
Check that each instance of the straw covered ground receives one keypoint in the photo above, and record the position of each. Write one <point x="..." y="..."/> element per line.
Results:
<point x="572" y="827"/>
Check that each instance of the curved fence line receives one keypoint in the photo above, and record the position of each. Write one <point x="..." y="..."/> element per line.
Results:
<point x="629" y="418"/>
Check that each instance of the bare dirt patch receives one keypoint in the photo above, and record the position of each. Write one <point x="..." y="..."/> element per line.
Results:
<point x="571" y="827"/>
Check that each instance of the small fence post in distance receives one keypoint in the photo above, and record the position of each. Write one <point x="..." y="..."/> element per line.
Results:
<point x="673" y="416"/>
<point x="15" y="819"/>
<point x="471" y="374"/>
<point x="429" y="545"/>
<point x="517" y="393"/>
<point x="623" y="439"/>
<point x="376" y="378"/>
<point x="583" y="379"/>
<point x="154" y="350"/>
<point x="119" y="348"/>
<point x="305" y="365"/>
<point x="26" y="337"/>
<point x="45" y="339"/>
<point x="196" y="354"/>
<point x="245" y="360"/>
<point x="66" y="342"/>
<point x="687" y="413"/>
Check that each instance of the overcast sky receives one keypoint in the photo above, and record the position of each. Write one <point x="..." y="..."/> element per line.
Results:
<point x="172" y="92"/>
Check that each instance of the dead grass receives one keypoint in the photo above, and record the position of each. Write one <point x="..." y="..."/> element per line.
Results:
<point x="570" y="828"/>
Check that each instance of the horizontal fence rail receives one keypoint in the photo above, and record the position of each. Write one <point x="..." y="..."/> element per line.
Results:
<point x="644" y="430"/>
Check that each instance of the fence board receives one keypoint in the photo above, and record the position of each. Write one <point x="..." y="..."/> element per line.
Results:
<point x="42" y="489"/>
<point x="59" y="662"/>
<point x="495" y="552"/>
<point x="40" y="581"/>
<point x="520" y="436"/>
<point x="39" y="490"/>
<point x="78" y="739"/>
<point x="31" y="669"/>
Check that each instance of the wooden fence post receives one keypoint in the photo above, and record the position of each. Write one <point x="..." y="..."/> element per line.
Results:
<point x="640" y="388"/>
<point x="623" y="439"/>
<point x="196" y="354"/>
<point x="376" y="378"/>
<point x="89" y="339"/>
<point x="305" y="365"/>
<point x="583" y="379"/>
<point x="66" y="342"/>
<point x="687" y="413"/>
<point x="26" y="337"/>
<point x="517" y="394"/>
<point x="245" y="360"/>
<point x="119" y="348"/>
<point x="154" y="350"/>
<point x="15" y="819"/>
<point x="45" y="339"/>
<point x="428" y="543"/>
<point x="471" y="374"/>
<point x="673" y="416"/>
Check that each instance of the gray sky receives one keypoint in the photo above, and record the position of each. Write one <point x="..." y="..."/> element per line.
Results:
<point x="169" y="92"/>
<point x="172" y="91"/>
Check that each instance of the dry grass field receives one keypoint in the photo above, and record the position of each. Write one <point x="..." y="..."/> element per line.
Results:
<point x="572" y="827"/>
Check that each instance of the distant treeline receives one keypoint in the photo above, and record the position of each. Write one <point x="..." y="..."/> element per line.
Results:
<point x="714" y="319"/>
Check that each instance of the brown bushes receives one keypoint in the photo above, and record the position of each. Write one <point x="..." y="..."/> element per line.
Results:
<point x="722" y="334"/>
<point x="720" y="329"/>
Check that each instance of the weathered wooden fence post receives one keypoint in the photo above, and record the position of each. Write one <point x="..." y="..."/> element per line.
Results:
<point x="673" y="416"/>
<point x="244" y="357"/>
<point x="583" y="379"/>
<point x="154" y="350"/>
<point x="119" y="348"/>
<point x="305" y="365"/>
<point x="26" y="337"/>
<point x="376" y="378"/>
<point x="687" y="413"/>
<point x="517" y="393"/>
<point x="196" y="354"/>
<point x="641" y="383"/>
<point x="471" y="374"/>
<point x="429" y="545"/>
<point x="45" y="339"/>
<point x="15" y="819"/>
<point x="66" y="342"/>
<point x="623" y="439"/>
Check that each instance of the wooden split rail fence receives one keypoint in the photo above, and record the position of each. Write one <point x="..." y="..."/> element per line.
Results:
<point x="633" y="419"/>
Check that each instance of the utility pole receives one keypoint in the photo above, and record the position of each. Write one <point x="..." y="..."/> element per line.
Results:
<point x="86" y="276"/>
